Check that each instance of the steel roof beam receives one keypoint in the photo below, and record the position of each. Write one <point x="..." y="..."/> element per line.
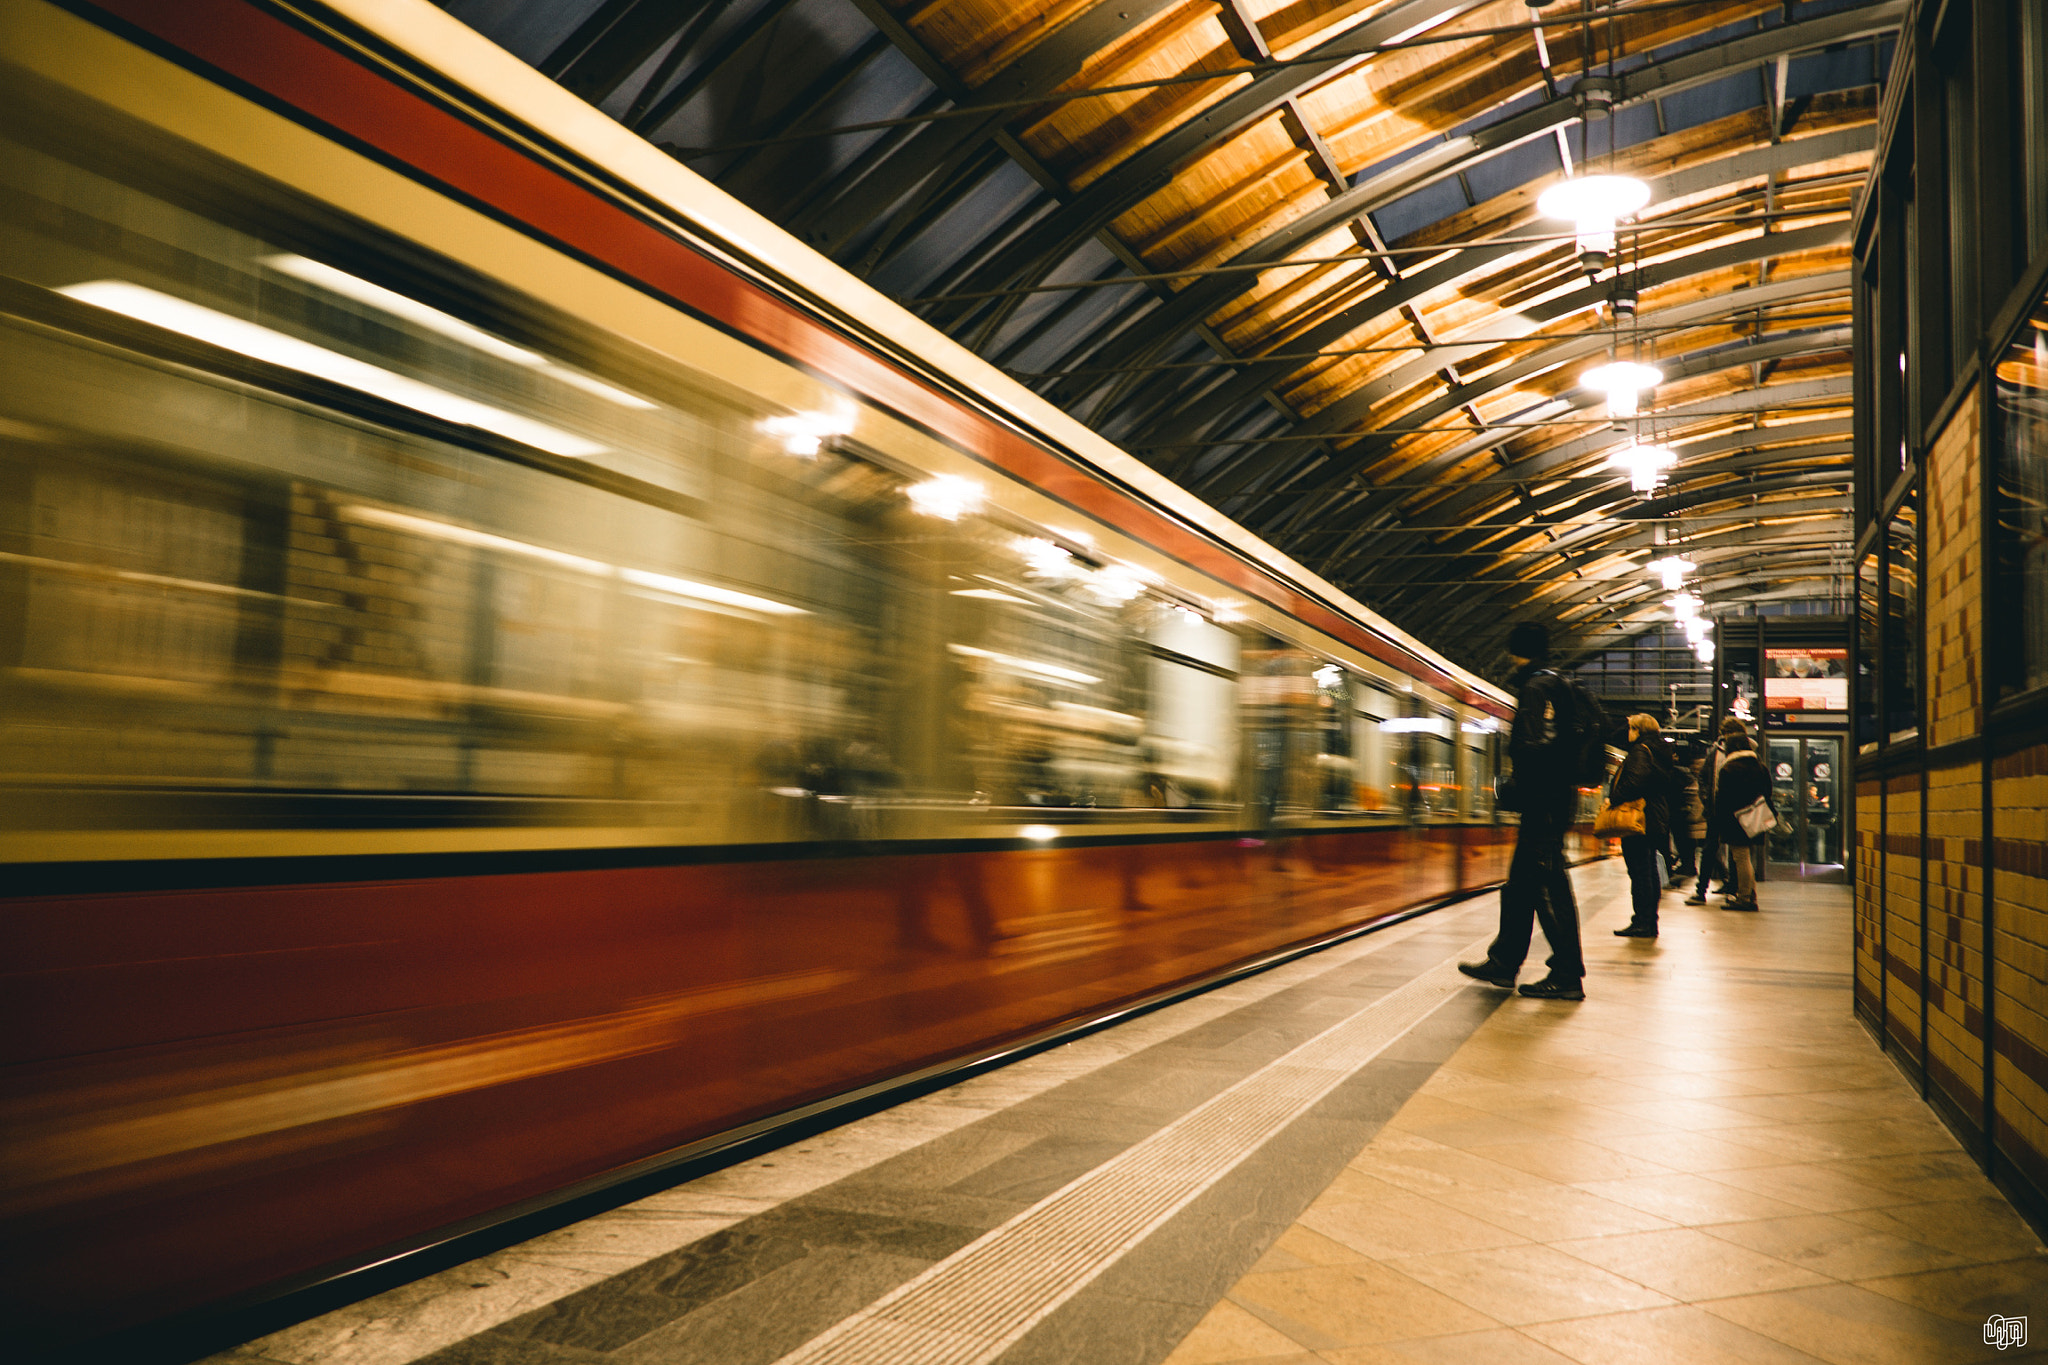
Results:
<point x="1355" y="407"/>
<point x="1244" y="386"/>
<point x="1453" y="514"/>
<point x="1046" y="245"/>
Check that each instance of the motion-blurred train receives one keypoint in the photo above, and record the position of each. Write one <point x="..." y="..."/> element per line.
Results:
<point x="514" y="674"/>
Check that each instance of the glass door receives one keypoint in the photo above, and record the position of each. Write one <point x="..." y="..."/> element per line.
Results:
<point x="1821" y="827"/>
<point x="1806" y="788"/>
<point x="1783" y="758"/>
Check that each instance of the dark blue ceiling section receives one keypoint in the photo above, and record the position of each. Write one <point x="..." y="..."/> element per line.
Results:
<point x="1514" y="168"/>
<point x="1413" y="212"/>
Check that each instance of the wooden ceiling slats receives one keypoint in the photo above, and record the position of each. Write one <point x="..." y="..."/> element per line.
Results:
<point x="1453" y="363"/>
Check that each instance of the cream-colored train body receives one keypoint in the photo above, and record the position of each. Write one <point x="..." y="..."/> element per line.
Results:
<point x="468" y="542"/>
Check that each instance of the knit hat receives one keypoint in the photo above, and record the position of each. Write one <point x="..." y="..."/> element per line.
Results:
<point x="1529" y="640"/>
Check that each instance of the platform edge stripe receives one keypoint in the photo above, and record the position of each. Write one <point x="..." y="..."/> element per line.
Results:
<point x="972" y="1306"/>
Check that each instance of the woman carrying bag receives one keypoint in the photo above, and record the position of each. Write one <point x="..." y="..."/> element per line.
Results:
<point x="1742" y="811"/>
<point x="1642" y="787"/>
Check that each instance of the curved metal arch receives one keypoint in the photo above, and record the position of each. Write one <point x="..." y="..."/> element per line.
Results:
<point x="1589" y="541"/>
<point x="1599" y="495"/>
<point x="930" y="156"/>
<point x="1196" y="412"/>
<point x="1557" y="462"/>
<point x="1453" y="514"/>
<point x="1712" y="563"/>
<point x="1344" y="463"/>
<point x="1469" y="598"/>
<point x="1045" y="245"/>
<point x="1145" y="170"/>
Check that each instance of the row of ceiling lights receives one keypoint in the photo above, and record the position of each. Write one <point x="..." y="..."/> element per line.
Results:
<point x="1595" y="205"/>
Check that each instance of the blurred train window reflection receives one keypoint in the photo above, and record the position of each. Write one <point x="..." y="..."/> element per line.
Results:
<point x="298" y="534"/>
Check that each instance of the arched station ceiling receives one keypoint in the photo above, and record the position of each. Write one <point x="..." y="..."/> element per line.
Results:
<point x="1288" y="253"/>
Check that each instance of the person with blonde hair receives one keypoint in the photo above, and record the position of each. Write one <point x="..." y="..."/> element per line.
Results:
<point x="1645" y="775"/>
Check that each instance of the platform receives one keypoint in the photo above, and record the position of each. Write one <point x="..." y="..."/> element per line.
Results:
<point x="1358" y="1157"/>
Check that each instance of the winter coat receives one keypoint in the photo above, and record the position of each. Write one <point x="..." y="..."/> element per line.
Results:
<point x="1691" y="801"/>
<point x="1540" y="741"/>
<point x="1647" y="774"/>
<point x="1741" y="782"/>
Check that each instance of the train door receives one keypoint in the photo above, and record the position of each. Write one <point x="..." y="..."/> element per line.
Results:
<point x="1806" y="789"/>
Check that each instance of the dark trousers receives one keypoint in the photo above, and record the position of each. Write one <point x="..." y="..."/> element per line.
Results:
<point x="1684" y="844"/>
<point x="1539" y="887"/>
<point x="1711" y="867"/>
<point x="1639" y="856"/>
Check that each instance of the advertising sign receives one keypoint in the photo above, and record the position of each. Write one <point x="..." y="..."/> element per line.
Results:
<point x="1806" y="680"/>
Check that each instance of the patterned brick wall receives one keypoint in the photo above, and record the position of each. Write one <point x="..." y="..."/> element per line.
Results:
<point x="2019" y="794"/>
<point x="1902" y="910"/>
<point x="1955" y="934"/>
<point x="1869" y="906"/>
<point x="1954" y="542"/>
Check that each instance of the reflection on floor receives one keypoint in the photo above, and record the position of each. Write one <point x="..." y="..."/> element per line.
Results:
<point x="1356" y="1159"/>
<point x="1708" y="1162"/>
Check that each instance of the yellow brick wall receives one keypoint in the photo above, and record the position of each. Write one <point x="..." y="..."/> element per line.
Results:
<point x="1952" y="587"/>
<point x="1955" y="933"/>
<point x="1902" y="910"/>
<point x="1869" y="903"/>
<point x="2019" y="794"/>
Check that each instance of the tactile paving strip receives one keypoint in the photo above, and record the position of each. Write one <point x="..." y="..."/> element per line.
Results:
<point x="975" y="1304"/>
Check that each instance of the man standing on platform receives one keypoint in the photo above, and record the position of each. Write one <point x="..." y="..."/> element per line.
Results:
<point x="1542" y="742"/>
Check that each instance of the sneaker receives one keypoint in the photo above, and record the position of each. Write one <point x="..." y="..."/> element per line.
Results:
<point x="1695" y="899"/>
<point x="1550" y="988"/>
<point x="1502" y="977"/>
<point x="1636" y="931"/>
<point x="1732" y="903"/>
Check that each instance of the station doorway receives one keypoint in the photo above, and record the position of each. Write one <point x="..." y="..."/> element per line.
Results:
<point x="1806" y="788"/>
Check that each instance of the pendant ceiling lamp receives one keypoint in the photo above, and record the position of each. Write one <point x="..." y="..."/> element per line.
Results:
<point x="1645" y="465"/>
<point x="1624" y="382"/>
<point x="1594" y="205"/>
<point x="1672" y="570"/>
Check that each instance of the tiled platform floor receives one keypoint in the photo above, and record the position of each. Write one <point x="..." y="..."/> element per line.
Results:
<point x="1708" y="1161"/>
<point x="1705" y="1161"/>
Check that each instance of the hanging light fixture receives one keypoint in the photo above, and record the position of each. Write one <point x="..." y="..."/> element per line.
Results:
<point x="1705" y="650"/>
<point x="1672" y="569"/>
<point x="1624" y="382"/>
<point x="1645" y="465"/>
<point x="1685" y="607"/>
<point x="1594" y="205"/>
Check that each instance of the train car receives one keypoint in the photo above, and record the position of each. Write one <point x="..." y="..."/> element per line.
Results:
<point x="515" y="675"/>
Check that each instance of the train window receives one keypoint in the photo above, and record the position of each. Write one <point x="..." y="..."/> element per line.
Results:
<point x="1480" y="735"/>
<point x="1190" y="744"/>
<point x="1375" y="752"/>
<point x="1336" y="770"/>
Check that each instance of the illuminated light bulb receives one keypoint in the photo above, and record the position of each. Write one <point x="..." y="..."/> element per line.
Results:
<point x="804" y="433"/>
<point x="1039" y="834"/>
<point x="1673" y="570"/>
<point x="1117" y="584"/>
<point x="1594" y="204"/>
<point x="1696" y="629"/>
<point x="1624" y="382"/>
<point x="1045" y="559"/>
<point x="1645" y="465"/>
<point x="1685" y="607"/>
<point x="1329" y="675"/>
<point x="1705" y="649"/>
<point x="947" y="497"/>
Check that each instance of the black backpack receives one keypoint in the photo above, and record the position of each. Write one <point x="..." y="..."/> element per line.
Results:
<point x="1585" y="731"/>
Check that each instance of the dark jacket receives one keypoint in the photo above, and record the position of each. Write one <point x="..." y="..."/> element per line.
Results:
<point x="1539" y="740"/>
<point x="1649" y="775"/>
<point x="1741" y="782"/>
